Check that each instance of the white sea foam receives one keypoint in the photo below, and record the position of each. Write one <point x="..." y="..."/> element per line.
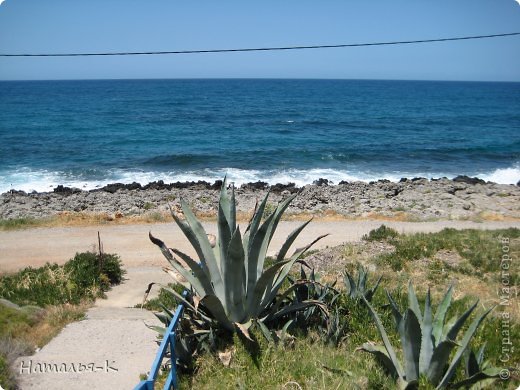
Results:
<point x="42" y="180"/>
<point x="503" y="176"/>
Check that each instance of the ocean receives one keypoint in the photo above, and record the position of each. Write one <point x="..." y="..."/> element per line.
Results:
<point x="86" y="134"/>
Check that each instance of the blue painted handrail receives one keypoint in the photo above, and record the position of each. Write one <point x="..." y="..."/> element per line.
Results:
<point x="168" y="341"/>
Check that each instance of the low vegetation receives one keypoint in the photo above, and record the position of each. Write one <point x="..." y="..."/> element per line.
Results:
<point x="86" y="276"/>
<point x="482" y="249"/>
<point x="321" y="344"/>
<point x="36" y="303"/>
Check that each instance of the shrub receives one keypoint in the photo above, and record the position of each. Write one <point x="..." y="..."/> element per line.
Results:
<point x="382" y="233"/>
<point x="86" y="276"/>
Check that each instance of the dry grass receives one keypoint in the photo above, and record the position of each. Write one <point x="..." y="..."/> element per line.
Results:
<point x="73" y="219"/>
<point x="54" y="320"/>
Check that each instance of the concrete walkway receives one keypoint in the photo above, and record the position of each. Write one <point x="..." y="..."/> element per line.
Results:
<point x="107" y="350"/>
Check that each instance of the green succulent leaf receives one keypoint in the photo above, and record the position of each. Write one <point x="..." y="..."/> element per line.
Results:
<point x="197" y="279"/>
<point x="480" y="376"/>
<point x="215" y="307"/>
<point x="264" y="288"/>
<point x="208" y="257"/>
<point x="370" y="293"/>
<point x="472" y="365"/>
<point x="427" y="336"/>
<point x="235" y="279"/>
<point x="198" y="273"/>
<point x="439" y="360"/>
<point x="440" y="315"/>
<point x="413" y="303"/>
<point x="386" y="341"/>
<point x="254" y="257"/>
<point x="381" y="353"/>
<point x="398" y="317"/>
<point x="460" y="350"/>
<point x="480" y="353"/>
<point x="290" y="240"/>
<point x="265" y="331"/>
<point x="352" y="291"/>
<point x="410" y="339"/>
<point x="453" y="331"/>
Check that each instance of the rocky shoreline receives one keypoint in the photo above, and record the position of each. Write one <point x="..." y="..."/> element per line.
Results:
<point x="416" y="199"/>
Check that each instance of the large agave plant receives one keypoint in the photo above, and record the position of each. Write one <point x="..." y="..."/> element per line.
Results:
<point x="228" y="278"/>
<point x="427" y="342"/>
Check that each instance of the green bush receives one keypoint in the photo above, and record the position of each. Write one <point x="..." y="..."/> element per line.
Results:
<point x="482" y="248"/>
<point x="382" y="233"/>
<point x="86" y="276"/>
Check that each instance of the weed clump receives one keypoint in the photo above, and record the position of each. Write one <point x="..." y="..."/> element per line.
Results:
<point x="85" y="277"/>
<point x="382" y="233"/>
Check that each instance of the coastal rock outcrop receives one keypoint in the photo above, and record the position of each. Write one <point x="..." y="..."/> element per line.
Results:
<point x="416" y="199"/>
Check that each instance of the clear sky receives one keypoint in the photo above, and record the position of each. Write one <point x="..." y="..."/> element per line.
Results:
<point x="43" y="26"/>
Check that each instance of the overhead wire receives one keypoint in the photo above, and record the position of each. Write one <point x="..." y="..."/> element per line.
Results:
<point x="138" y="53"/>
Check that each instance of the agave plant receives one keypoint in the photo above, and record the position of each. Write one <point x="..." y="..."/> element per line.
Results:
<point x="308" y="287"/>
<point x="358" y="289"/>
<point x="476" y="366"/>
<point x="426" y="341"/>
<point x="228" y="279"/>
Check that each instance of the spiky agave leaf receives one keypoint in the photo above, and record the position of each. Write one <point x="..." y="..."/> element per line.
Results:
<point x="427" y="341"/>
<point x="440" y="315"/>
<point x="231" y="283"/>
<point x="461" y="349"/>
<point x="390" y="352"/>
<point x="358" y="288"/>
<point x="423" y="353"/>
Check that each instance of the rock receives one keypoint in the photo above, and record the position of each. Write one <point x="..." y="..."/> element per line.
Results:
<point x="112" y="188"/>
<point x="278" y="188"/>
<point x="321" y="182"/>
<point x="259" y="185"/>
<point x="468" y="180"/>
<point x="65" y="190"/>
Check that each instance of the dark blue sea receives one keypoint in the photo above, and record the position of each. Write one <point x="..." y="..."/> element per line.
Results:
<point x="89" y="133"/>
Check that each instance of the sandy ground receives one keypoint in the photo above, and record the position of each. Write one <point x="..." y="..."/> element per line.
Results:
<point x="35" y="247"/>
<point x="114" y="338"/>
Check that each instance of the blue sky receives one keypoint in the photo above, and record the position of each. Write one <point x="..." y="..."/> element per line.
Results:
<point x="37" y="26"/>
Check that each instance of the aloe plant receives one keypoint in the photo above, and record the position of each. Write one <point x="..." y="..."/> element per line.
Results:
<point x="427" y="342"/>
<point x="358" y="288"/>
<point x="228" y="279"/>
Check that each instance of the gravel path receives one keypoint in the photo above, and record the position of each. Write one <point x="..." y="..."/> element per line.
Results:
<point x="112" y="346"/>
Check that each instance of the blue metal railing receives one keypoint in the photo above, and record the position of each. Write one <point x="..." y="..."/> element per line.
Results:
<point x="167" y="343"/>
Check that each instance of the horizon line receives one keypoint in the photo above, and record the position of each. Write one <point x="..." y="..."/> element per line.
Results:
<point x="262" y="78"/>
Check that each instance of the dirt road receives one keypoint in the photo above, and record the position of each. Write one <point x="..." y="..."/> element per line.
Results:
<point x="35" y="247"/>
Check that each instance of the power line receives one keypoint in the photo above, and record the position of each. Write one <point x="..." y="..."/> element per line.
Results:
<point x="261" y="48"/>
